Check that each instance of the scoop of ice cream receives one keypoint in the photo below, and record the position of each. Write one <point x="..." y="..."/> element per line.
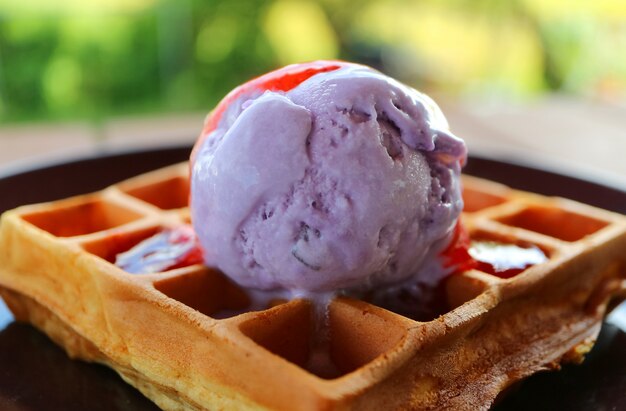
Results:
<point x="342" y="179"/>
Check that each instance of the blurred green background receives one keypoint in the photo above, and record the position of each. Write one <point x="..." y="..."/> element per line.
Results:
<point x="96" y="59"/>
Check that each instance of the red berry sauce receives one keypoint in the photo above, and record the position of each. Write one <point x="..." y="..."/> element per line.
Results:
<point x="283" y="79"/>
<point x="171" y="248"/>
<point x="495" y="258"/>
<point x="457" y="254"/>
<point x="504" y="260"/>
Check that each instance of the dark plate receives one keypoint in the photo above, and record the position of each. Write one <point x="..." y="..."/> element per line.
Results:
<point x="36" y="375"/>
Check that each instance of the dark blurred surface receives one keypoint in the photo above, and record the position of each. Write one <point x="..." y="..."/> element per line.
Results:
<point x="551" y="184"/>
<point x="82" y="176"/>
<point x="597" y="384"/>
<point x="37" y="375"/>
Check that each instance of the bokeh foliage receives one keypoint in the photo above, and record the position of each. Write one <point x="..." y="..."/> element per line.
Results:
<point x="94" y="59"/>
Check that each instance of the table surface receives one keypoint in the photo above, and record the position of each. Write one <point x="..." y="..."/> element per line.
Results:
<point x="572" y="136"/>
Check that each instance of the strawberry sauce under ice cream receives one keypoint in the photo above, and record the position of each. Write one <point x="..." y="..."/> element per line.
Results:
<point x="325" y="176"/>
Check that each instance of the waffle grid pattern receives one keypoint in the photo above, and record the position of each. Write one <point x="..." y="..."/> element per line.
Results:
<point x="186" y="340"/>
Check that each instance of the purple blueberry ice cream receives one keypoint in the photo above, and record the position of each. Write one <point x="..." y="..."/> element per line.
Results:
<point x="347" y="180"/>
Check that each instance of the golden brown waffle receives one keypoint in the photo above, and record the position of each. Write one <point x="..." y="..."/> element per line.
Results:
<point x="169" y="335"/>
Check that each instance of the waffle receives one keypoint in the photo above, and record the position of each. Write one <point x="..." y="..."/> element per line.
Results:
<point x="186" y="339"/>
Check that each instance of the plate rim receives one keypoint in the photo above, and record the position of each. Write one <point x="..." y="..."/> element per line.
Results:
<point x="600" y="178"/>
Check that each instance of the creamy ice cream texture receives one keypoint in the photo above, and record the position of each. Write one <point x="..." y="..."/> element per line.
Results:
<point x="347" y="180"/>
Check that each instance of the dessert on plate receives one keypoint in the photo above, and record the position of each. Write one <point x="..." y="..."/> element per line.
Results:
<point x="320" y="250"/>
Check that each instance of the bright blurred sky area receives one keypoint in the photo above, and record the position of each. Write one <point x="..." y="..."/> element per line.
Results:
<point x="91" y="60"/>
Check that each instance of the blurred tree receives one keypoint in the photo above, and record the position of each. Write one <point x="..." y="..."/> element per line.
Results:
<point x="26" y="47"/>
<point x="91" y="60"/>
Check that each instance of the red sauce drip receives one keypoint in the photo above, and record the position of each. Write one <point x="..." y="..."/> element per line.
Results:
<point x="171" y="248"/>
<point x="179" y="247"/>
<point x="284" y="79"/>
<point x="504" y="260"/>
<point x="457" y="254"/>
<point x="499" y="259"/>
